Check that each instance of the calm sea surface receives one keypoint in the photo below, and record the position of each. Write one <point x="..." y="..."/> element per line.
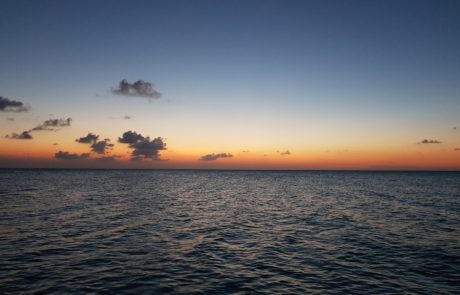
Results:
<point x="114" y="232"/>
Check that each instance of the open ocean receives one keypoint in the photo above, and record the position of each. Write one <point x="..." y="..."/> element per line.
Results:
<point x="221" y="232"/>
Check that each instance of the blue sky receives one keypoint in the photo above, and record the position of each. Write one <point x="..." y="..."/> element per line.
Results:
<point x="353" y="66"/>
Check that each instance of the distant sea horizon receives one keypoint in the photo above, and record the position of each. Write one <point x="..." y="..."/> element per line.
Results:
<point x="236" y="170"/>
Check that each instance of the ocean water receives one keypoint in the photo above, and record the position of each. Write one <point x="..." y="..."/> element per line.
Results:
<point x="227" y="232"/>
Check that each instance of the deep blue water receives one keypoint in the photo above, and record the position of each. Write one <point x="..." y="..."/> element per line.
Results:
<point x="115" y="232"/>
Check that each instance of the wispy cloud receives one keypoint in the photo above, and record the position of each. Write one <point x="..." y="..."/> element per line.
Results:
<point x="429" y="141"/>
<point x="139" y="88"/>
<point x="8" y="105"/>
<point x="70" y="156"/>
<point x="23" y="135"/>
<point x="142" y="147"/>
<point x="285" y="153"/>
<point x="213" y="157"/>
<point x="52" y="124"/>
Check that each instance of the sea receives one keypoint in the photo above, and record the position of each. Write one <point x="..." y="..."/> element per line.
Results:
<point x="229" y="232"/>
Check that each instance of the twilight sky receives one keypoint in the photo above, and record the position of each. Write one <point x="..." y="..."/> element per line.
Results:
<point x="230" y="84"/>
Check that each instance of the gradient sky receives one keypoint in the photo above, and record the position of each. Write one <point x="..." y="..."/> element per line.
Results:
<point x="338" y="84"/>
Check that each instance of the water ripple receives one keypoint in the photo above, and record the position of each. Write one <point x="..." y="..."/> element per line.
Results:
<point x="174" y="232"/>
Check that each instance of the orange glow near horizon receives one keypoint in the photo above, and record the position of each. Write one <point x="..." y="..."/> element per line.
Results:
<point x="412" y="158"/>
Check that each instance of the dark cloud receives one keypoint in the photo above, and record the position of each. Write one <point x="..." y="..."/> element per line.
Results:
<point x="100" y="147"/>
<point x="126" y="117"/>
<point x="457" y="149"/>
<point x="130" y="137"/>
<point x="68" y="156"/>
<point x="89" y="139"/>
<point x="285" y="153"/>
<point x="8" y="105"/>
<point x="142" y="147"/>
<point x="23" y="135"/>
<point x="213" y="157"/>
<point x="139" y="88"/>
<point x="429" y="141"/>
<point x="455" y="127"/>
<point x="51" y="124"/>
<point x="55" y="143"/>
<point x="10" y="119"/>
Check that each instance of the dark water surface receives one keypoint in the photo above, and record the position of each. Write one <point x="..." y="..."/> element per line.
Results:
<point x="208" y="232"/>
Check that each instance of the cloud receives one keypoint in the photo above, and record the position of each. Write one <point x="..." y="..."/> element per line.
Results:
<point x="285" y="153"/>
<point x="51" y="124"/>
<point x="10" y="119"/>
<point x="101" y="147"/>
<point x="47" y="125"/>
<point x="89" y="139"/>
<point x="142" y="147"/>
<point x="429" y="141"/>
<point x="8" y="105"/>
<point x="23" y="135"/>
<point x="98" y="147"/>
<point x="68" y="156"/>
<point x="213" y="157"/>
<point x="130" y="137"/>
<point x="457" y="149"/>
<point x="139" y="88"/>
<point x="126" y="117"/>
<point x="455" y="127"/>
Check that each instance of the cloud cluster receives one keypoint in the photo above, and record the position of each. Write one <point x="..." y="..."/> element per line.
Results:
<point x="429" y="141"/>
<point x="142" y="147"/>
<point x="213" y="157"/>
<point x="23" y="135"/>
<point x="51" y="124"/>
<point x="98" y="147"/>
<point x="68" y="156"/>
<point x="139" y="88"/>
<point x="8" y="105"/>
<point x="48" y="125"/>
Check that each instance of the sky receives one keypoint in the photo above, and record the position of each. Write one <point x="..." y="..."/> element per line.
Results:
<point x="230" y="84"/>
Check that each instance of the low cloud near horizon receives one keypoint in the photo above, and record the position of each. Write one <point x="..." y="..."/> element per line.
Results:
<point x="98" y="147"/>
<point x="140" y="88"/>
<point x="9" y="105"/>
<point x="70" y="156"/>
<point x="214" y="157"/>
<point x="430" y="141"/>
<point x="142" y="147"/>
